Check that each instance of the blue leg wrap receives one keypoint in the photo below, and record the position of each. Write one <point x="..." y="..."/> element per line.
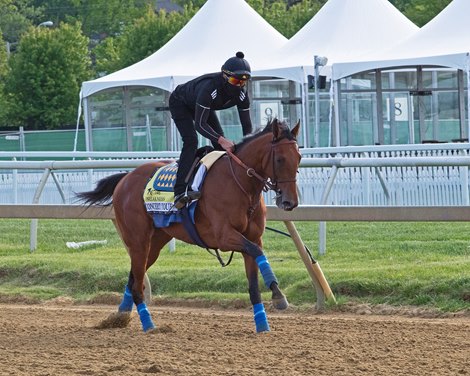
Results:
<point x="145" y="317"/>
<point x="266" y="271"/>
<point x="127" y="301"/>
<point x="261" y="320"/>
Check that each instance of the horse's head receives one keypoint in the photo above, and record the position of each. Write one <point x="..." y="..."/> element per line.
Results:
<point x="284" y="159"/>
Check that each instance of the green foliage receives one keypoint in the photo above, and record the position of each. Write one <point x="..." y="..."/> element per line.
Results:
<point x="99" y="18"/>
<point x="46" y="75"/>
<point x="139" y="40"/>
<point x="287" y="19"/>
<point x="423" y="11"/>
<point x="420" y="11"/>
<point x="3" y="75"/>
<point x="16" y="16"/>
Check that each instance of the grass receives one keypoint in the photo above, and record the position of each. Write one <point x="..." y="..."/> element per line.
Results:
<point x="419" y="264"/>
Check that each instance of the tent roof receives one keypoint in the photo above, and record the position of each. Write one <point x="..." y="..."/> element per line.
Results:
<point x="215" y="33"/>
<point x="444" y="41"/>
<point x="342" y="30"/>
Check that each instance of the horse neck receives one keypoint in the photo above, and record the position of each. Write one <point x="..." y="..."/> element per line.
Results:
<point x="256" y="153"/>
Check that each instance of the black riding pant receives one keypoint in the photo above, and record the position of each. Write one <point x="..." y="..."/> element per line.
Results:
<point x="183" y="116"/>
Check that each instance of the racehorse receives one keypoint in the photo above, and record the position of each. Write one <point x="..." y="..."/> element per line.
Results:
<point x="230" y="215"/>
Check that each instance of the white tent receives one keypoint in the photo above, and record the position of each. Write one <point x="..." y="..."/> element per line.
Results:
<point x="343" y="30"/>
<point x="444" y="41"/>
<point x="215" y="33"/>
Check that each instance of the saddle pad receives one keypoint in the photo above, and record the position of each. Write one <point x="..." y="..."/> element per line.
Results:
<point x="158" y="194"/>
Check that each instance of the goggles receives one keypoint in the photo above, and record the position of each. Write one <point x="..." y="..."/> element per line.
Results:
<point x="235" y="81"/>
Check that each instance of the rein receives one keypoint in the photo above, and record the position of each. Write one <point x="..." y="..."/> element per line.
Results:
<point x="267" y="185"/>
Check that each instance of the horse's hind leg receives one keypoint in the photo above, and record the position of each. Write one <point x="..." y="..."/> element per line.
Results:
<point x="139" y="266"/>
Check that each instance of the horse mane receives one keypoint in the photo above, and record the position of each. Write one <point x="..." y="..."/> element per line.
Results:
<point x="286" y="133"/>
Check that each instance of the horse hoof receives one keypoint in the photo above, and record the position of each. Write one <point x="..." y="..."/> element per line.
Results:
<point x="280" y="303"/>
<point x="153" y="330"/>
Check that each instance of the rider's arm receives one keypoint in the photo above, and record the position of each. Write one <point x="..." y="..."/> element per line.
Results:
<point x="245" y="120"/>
<point x="244" y="113"/>
<point x="200" y="122"/>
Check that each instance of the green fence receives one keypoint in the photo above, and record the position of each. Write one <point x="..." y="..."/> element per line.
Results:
<point x="104" y="139"/>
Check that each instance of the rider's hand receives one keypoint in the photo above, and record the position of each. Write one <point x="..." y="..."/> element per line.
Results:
<point x="226" y="144"/>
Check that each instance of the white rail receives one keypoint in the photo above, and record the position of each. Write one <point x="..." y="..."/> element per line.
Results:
<point x="358" y="181"/>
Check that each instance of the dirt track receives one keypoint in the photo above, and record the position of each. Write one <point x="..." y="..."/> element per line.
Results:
<point x="63" y="340"/>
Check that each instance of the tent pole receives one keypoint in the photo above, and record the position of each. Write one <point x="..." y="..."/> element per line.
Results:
<point x="336" y="90"/>
<point x="75" y="141"/>
<point x="88" y="132"/>
<point x="468" y="96"/>
<point x="305" y="114"/>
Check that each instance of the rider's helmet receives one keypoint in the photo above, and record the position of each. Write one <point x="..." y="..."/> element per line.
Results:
<point x="237" y="70"/>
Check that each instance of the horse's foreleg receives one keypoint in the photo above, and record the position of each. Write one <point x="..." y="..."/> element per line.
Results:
<point x="260" y="318"/>
<point x="270" y="280"/>
<point x="138" y="267"/>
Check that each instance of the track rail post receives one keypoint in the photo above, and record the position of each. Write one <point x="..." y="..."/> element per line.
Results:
<point x="319" y="281"/>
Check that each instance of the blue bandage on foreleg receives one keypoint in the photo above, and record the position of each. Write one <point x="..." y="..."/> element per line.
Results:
<point x="127" y="301"/>
<point x="145" y="317"/>
<point x="261" y="320"/>
<point x="266" y="271"/>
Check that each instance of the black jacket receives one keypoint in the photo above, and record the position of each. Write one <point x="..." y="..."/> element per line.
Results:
<point x="211" y="92"/>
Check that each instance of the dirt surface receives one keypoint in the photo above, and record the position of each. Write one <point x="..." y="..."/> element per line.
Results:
<point x="63" y="339"/>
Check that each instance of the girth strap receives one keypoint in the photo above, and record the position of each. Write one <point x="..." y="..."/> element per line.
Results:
<point x="191" y="229"/>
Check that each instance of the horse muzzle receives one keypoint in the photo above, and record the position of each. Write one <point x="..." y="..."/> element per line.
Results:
<point x="285" y="203"/>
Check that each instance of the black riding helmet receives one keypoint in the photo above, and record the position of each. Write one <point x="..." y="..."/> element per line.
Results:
<point x="237" y="67"/>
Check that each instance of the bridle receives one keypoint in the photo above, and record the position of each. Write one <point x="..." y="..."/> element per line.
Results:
<point x="267" y="183"/>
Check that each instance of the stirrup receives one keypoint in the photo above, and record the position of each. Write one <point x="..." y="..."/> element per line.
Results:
<point x="183" y="198"/>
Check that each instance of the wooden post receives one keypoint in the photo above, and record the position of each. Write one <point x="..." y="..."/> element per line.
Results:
<point x="320" y="283"/>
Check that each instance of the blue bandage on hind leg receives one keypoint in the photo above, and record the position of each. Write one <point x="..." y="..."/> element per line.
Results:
<point x="145" y="317"/>
<point x="127" y="301"/>
<point x="266" y="271"/>
<point x="261" y="320"/>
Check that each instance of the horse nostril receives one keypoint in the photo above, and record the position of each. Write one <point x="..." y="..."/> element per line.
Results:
<point x="287" y="205"/>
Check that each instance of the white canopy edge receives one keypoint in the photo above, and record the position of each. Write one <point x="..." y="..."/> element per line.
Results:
<point x="457" y="61"/>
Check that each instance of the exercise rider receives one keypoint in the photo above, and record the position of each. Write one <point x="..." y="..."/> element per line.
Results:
<point x="193" y="106"/>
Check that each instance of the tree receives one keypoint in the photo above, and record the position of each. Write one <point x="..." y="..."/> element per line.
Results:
<point x="423" y="11"/>
<point x="46" y="74"/>
<point x="420" y="12"/>
<point x="3" y="75"/>
<point x="99" y="18"/>
<point x="139" y="40"/>
<point x="285" y="18"/>
<point x="16" y="16"/>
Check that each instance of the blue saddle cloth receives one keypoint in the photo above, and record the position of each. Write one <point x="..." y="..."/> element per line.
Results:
<point x="165" y="219"/>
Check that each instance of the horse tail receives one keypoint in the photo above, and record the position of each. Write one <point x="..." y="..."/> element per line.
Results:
<point x="103" y="193"/>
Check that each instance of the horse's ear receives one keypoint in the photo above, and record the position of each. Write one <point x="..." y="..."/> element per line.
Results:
<point x="296" y="129"/>
<point x="277" y="130"/>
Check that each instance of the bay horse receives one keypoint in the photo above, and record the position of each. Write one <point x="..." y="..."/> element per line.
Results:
<point x="230" y="215"/>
